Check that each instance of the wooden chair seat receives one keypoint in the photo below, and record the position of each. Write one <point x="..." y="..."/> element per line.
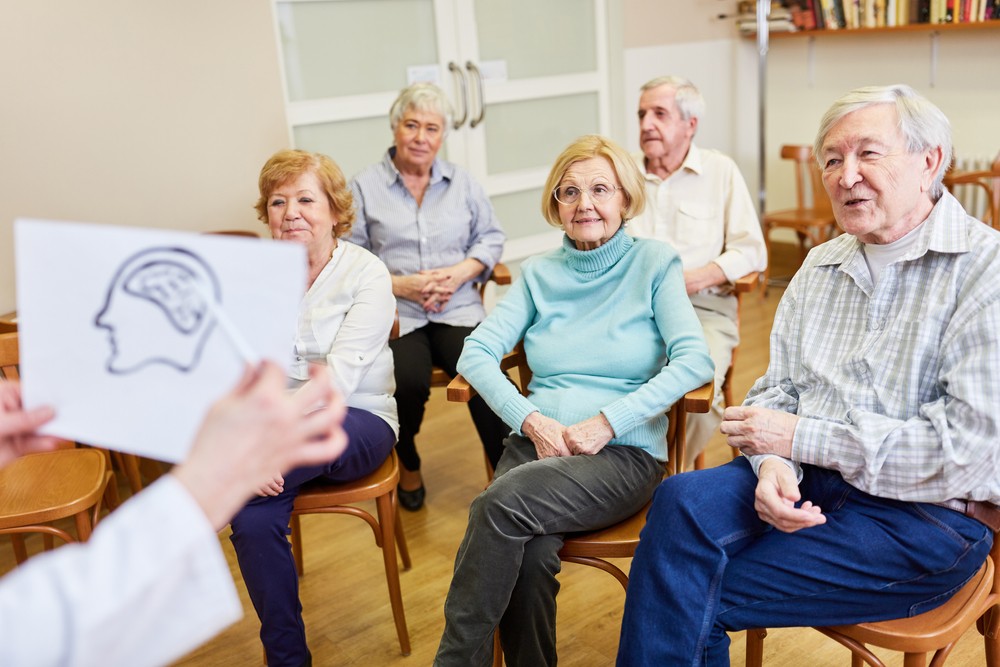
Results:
<point x="933" y="631"/>
<point x="930" y="631"/>
<point x="38" y="489"/>
<point x="380" y="486"/>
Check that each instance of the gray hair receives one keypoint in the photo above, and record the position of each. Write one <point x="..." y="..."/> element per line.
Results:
<point x="686" y="95"/>
<point x="924" y="126"/>
<point x="425" y="97"/>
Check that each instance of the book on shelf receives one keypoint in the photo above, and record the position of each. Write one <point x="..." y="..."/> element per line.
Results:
<point x="806" y="15"/>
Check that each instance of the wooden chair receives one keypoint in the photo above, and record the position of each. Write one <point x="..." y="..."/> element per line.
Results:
<point x="620" y="540"/>
<point x="815" y="222"/>
<point x="747" y="283"/>
<point x="936" y="630"/>
<point x="38" y="489"/>
<point x="380" y="486"/>
<point x="988" y="180"/>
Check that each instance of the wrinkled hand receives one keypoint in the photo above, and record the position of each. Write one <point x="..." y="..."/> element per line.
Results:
<point x="754" y="430"/>
<point x="411" y="287"/>
<point x="257" y="429"/>
<point x="439" y="289"/>
<point x="710" y="275"/>
<point x="547" y="435"/>
<point x="589" y="436"/>
<point x="18" y="427"/>
<point x="272" y="487"/>
<point x="775" y="497"/>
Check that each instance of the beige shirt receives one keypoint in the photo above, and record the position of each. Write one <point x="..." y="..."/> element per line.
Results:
<point x="704" y="210"/>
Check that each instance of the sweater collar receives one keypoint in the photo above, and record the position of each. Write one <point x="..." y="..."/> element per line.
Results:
<point x="599" y="259"/>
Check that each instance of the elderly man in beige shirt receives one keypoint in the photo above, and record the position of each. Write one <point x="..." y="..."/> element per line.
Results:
<point x="698" y="202"/>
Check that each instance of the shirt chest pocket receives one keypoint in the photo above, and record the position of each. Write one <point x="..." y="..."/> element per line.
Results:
<point x="692" y="219"/>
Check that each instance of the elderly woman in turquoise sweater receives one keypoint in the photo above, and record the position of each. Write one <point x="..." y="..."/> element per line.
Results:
<point x="612" y="341"/>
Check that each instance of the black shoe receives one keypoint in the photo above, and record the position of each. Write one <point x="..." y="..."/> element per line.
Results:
<point x="411" y="500"/>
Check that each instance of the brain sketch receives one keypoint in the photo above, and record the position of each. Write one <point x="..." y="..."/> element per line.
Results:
<point x="158" y="310"/>
<point x="173" y="288"/>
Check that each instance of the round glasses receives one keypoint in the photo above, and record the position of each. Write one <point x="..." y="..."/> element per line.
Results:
<point x="570" y="194"/>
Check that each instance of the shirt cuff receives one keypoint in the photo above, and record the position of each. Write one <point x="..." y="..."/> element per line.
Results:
<point x="516" y="411"/>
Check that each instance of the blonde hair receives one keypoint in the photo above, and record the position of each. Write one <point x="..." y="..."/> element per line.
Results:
<point x="287" y="165"/>
<point x="587" y="147"/>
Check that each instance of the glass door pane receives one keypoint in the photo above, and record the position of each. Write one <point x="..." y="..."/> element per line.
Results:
<point x="354" y="47"/>
<point x="537" y="38"/>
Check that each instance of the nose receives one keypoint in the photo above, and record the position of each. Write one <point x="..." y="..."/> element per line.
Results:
<point x="850" y="174"/>
<point x="585" y="196"/>
<point x="645" y="122"/>
<point x="291" y="210"/>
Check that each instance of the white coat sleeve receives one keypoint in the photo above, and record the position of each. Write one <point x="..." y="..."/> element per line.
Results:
<point x="150" y="585"/>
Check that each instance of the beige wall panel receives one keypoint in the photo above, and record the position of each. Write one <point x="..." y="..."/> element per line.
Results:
<point x="135" y="113"/>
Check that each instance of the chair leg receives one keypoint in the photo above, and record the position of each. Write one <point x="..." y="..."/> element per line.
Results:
<point x="387" y="526"/>
<point x="404" y="551"/>
<point x="497" y="649"/>
<point x="915" y="660"/>
<point x="699" y="461"/>
<point x="20" y="551"/>
<point x="130" y="464"/>
<point x="755" y="647"/>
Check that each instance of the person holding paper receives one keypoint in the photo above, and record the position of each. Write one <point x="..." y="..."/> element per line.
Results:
<point x="152" y="583"/>
<point x="434" y="227"/>
<point x="344" y="322"/>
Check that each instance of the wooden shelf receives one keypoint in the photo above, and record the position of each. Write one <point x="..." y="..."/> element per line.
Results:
<point x="993" y="24"/>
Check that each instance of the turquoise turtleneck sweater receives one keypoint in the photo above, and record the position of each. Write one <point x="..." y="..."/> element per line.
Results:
<point x="607" y="330"/>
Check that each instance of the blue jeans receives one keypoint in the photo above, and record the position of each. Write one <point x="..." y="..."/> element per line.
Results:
<point x="706" y="564"/>
<point x="260" y="532"/>
<point x="506" y="567"/>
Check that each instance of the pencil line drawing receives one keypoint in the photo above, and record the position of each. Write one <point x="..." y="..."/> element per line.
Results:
<point x="157" y="311"/>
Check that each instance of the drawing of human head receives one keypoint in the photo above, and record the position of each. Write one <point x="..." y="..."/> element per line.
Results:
<point x="157" y="310"/>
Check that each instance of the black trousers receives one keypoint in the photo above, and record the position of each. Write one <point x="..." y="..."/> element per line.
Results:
<point x="414" y="356"/>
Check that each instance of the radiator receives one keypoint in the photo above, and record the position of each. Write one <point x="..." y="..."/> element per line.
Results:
<point x="972" y="197"/>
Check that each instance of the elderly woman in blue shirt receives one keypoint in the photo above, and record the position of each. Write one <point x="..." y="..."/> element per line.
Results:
<point x="435" y="229"/>
<point x="612" y="341"/>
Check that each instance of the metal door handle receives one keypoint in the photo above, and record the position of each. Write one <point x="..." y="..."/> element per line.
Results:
<point x="457" y="73"/>
<point x="478" y="78"/>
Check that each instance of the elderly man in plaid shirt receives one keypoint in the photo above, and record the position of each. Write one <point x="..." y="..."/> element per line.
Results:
<point x="872" y="444"/>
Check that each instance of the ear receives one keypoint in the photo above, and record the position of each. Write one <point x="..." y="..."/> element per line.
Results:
<point x="933" y="158"/>
<point x="693" y="123"/>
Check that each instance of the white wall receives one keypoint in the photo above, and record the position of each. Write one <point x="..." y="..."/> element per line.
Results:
<point x="805" y="76"/>
<point x="137" y="113"/>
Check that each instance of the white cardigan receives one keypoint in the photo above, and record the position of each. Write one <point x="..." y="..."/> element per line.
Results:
<point x="344" y="321"/>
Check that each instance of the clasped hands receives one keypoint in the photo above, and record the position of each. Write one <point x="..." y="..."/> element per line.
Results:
<point x="754" y="431"/>
<point x="431" y="288"/>
<point x="551" y="438"/>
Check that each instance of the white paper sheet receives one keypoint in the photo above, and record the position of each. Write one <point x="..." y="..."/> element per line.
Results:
<point x="117" y="334"/>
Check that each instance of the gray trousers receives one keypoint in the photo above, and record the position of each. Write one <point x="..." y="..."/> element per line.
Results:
<point x="717" y="315"/>
<point x="505" y="571"/>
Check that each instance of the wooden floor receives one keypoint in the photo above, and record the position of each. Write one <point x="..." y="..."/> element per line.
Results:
<point x="346" y="606"/>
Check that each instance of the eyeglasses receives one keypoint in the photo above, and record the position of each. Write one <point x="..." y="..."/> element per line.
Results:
<point x="570" y="194"/>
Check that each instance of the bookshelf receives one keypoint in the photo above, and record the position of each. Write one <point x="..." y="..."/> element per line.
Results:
<point x="908" y="28"/>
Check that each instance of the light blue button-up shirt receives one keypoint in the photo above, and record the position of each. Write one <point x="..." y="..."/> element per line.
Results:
<point x="456" y="221"/>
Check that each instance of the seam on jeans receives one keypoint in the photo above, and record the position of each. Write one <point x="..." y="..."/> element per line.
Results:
<point x="711" y="615"/>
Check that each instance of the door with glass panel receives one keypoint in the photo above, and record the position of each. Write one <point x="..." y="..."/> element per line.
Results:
<point x="525" y="78"/>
